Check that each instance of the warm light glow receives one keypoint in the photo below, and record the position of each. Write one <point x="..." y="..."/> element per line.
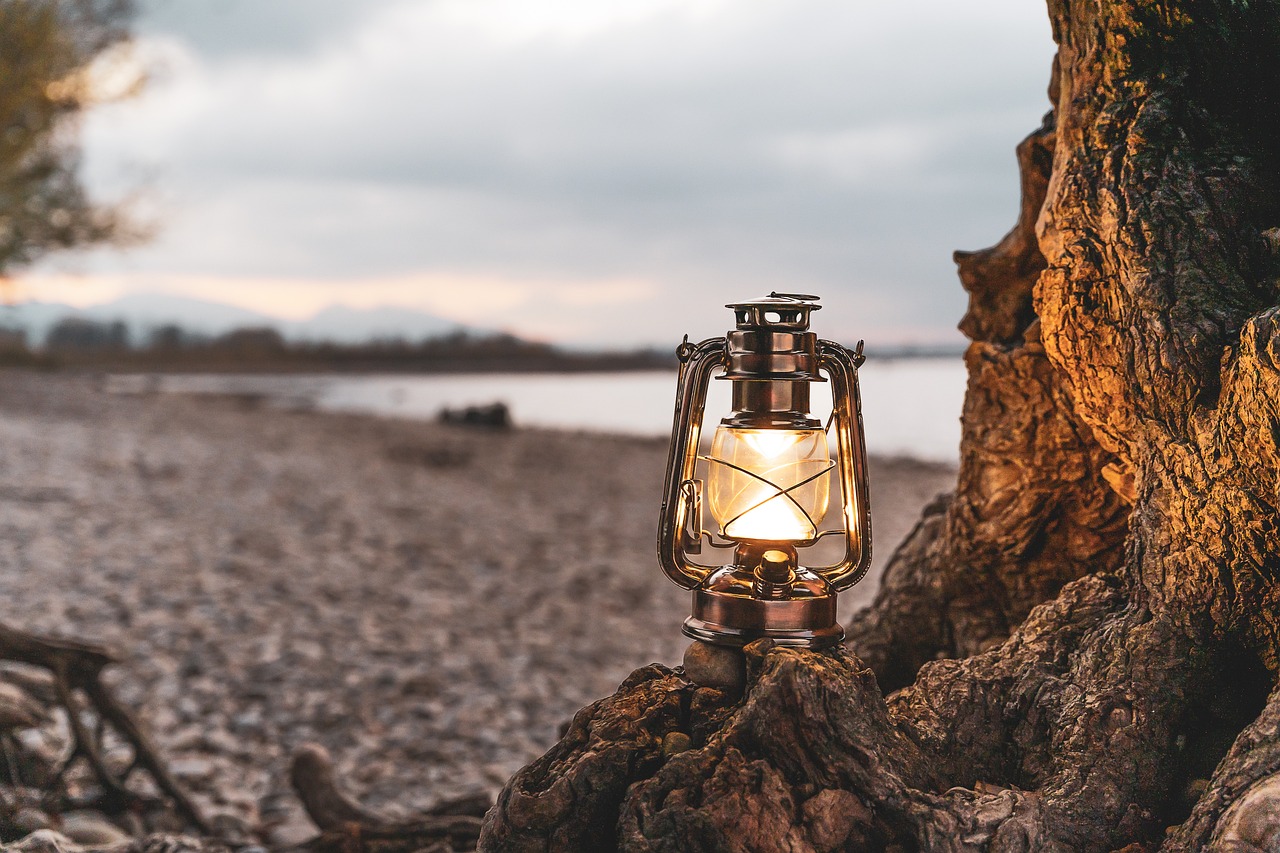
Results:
<point x="753" y="505"/>
<point x="771" y="443"/>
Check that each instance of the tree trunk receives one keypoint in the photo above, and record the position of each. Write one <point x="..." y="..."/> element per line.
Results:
<point x="1084" y="639"/>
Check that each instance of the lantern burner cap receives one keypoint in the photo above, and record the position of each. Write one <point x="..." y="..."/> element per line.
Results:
<point x="778" y="311"/>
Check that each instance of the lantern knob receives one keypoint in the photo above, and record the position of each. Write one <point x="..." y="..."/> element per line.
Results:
<point x="774" y="574"/>
<point x="775" y="567"/>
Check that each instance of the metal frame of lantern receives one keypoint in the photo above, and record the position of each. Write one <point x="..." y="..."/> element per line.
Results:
<point x="771" y="358"/>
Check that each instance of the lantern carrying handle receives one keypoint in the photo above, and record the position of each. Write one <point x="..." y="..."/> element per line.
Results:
<point x="697" y="362"/>
<point x="841" y="366"/>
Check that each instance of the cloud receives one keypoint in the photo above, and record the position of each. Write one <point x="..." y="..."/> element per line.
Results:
<point x="703" y="147"/>
<point x="231" y="30"/>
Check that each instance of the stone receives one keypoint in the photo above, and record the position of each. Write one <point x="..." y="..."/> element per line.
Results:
<point x="231" y="828"/>
<point x="43" y="841"/>
<point x="294" y="832"/>
<point x="191" y="768"/>
<point x="92" y="829"/>
<point x="29" y="820"/>
<point x="715" y="666"/>
<point x="675" y="743"/>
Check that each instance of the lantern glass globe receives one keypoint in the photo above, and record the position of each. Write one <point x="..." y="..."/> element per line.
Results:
<point x="768" y="485"/>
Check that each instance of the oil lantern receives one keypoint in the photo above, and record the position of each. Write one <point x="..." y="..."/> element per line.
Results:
<point x="768" y="480"/>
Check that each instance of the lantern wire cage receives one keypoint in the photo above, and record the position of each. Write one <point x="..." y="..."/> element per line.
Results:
<point x="690" y="490"/>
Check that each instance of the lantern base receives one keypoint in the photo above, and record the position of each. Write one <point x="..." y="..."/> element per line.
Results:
<point x="727" y="611"/>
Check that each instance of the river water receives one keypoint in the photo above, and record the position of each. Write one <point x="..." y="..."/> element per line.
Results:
<point x="911" y="407"/>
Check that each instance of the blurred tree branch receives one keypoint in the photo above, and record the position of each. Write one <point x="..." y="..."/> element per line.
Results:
<point x="57" y="59"/>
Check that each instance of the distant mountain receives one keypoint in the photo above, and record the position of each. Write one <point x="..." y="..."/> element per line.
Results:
<point x="143" y="312"/>
<point x="344" y="325"/>
<point x="35" y="318"/>
<point x="139" y="312"/>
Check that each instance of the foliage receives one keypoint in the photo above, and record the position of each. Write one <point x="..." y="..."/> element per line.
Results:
<point x="81" y="342"/>
<point x="55" y="56"/>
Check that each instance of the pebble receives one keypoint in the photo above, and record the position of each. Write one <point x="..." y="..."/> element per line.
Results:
<point x="231" y="828"/>
<point x="720" y="667"/>
<point x="191" y="768"/>
<point x="28" y="820"/>
<point x="292" y="833"/>
<point x="43" y="841"/>
<point x="91" y="829"/>
<point x="675" y="743"/>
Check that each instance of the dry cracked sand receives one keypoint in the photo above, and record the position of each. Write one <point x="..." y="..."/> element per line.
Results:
<point x="428" y="602"/>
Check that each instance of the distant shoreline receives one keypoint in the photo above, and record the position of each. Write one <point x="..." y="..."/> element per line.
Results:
<point x="185" y="362"/>
<point x="144" y="362"/>
<point x="80" y="344"/>
<point x="355" y="368"/>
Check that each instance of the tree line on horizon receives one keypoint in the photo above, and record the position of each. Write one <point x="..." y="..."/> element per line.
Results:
<point x="77" y="342"/>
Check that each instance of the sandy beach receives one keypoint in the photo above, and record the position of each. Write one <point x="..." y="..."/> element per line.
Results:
<point x="428" y="602"/>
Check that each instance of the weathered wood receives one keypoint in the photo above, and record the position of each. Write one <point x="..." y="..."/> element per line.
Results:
<point x="569" y="799"/>
<point x="76" y="667"/>
<point x="1033" y="507"/>
<point x="1102" y="586"/>
<point x="348" y="827"/>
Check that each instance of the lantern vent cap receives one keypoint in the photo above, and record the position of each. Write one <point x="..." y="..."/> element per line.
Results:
<point x="778" y="311"/>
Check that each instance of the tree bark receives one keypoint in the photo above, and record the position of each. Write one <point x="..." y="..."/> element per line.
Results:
<point x="1080" y="645"/>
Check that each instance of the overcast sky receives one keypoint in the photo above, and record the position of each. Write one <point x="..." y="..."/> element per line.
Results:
<point x="584" y="171"/>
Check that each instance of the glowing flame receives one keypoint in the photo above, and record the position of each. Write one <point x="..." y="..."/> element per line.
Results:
<point x="775" y="519"/>
<point x="751" y="479"/>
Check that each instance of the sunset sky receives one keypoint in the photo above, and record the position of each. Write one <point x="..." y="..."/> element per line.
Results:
<point x="583" y="171"/>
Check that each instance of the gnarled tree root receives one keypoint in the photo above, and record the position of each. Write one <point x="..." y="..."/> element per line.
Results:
<point x="347" y="827"/>
<point x="1057" y="739"/>
<point x="92" y="710"/>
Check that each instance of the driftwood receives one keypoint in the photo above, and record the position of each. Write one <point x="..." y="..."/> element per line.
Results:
<point x="494" y="415"/>
<point x="1080" y="646"/>
<point x="91" y="710"/>
<point x="347" y="827"/>
<point x="74" y="686"/>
